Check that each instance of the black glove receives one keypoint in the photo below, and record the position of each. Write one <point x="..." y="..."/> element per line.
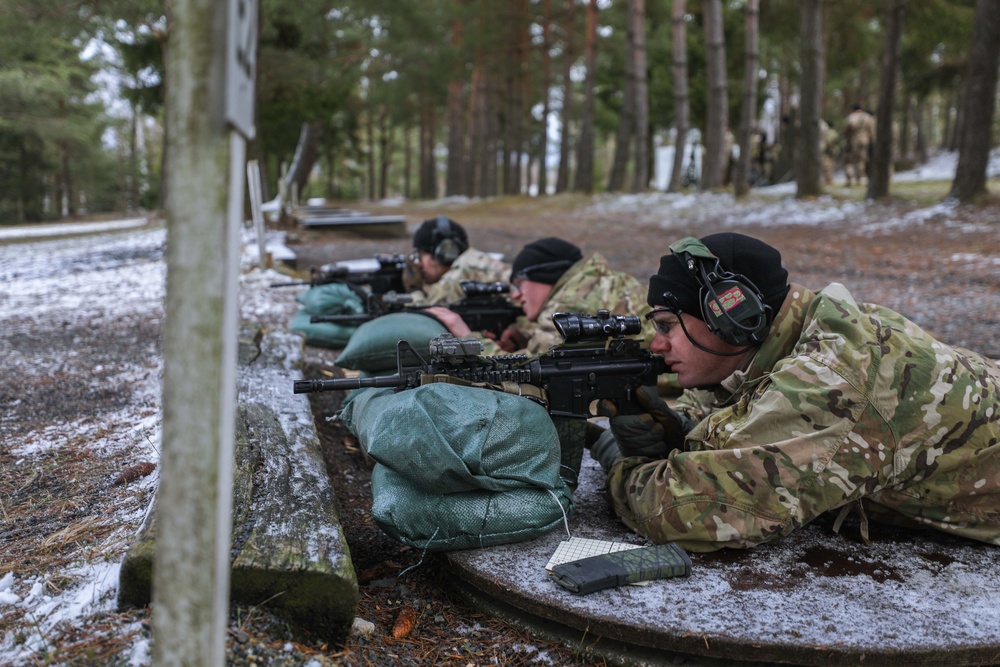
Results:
<point x="605" y="451"/>
<point x="648" y="427"/>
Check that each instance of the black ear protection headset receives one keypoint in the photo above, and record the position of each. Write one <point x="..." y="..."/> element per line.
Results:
<point x="447" y="247"/>
<point x="731" y="305"/>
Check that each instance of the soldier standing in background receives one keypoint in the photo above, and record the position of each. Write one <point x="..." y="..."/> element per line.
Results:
<point x="828" y="139"/>
<point x="859" y="135"/>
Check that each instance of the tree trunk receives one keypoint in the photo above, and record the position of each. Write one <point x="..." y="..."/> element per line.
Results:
<point x="304" y="158"/>
<point x="477" y="136"/>
<point x="457" y="159"/>
<point x="921" y="136"/>
<point x="543" y="140"/>
<point x="626" y="119"/>
<point x="407" y="161"/>
<point x="682" y="110"/>
<point x="428" y="180"/>
<point x="385" y="153"/>
<point x="980" y="99"/>
<point x="331" y="173"/>
<point x="67" y="178"/>
<point x="585" y="148"/>
<point x="569" y="56"/>
<point x="518" y="71"/>
<point x="637" y="19"/>
<point x="306" y="154"/>
<point x="748" y="113"/>
<point x="506" y="120"/>
<point x="718" y="101"/>
<point x="370" y="145"/>
<point x="809" y="167"/>
<point x="491" y="101"/>
<point x="132" y="202"/>
<point x="881" y="164"/>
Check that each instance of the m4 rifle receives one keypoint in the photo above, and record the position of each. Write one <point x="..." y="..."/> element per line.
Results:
<point x="485" y="307"/>
<point x="390" y="273"/>
<point x="597" y="360"/>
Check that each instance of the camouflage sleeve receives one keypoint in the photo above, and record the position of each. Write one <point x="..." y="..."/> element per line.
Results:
<point x="472" y="264"/>
<point x="695" y="403"/>
<point x="445" y="291"/>
<point x="589" y="287"/>
<point x="490" y="347"/>
<point x="418" y="297"/>
<point x="757" y="470"/>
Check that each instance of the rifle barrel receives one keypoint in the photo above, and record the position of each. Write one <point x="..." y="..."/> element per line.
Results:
<point x="346" y="384"/>
<point x="344" y="318"/>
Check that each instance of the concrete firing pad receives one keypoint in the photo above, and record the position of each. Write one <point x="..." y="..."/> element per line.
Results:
<point x="812" y="598"/>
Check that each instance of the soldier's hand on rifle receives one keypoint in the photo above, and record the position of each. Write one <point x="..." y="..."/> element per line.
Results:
<point x="647" y="426"/>
<point x="451" y="320"/>
<point x="512" y="339"/>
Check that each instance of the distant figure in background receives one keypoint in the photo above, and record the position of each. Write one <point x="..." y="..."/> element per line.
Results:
<point x="828" y="140"/>
<point x="445" y="259"/>
<point x="729" y="148"/>
<point x="859" y="135"/>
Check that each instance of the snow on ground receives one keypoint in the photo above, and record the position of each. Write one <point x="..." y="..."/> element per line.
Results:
<point x="117" y="275"/>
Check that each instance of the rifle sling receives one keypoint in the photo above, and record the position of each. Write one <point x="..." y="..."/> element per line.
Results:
<point x="529" y="391"/>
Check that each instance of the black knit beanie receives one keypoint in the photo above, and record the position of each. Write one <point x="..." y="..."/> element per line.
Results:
<point x="755" y="260"/>
<point x="433" y="231"/>
<point x="545" y="260"/>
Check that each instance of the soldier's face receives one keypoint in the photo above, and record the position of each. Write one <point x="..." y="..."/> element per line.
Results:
<point x="694" y="367"/>
<point x="531" y="296"/>
<point x="431" y="270"/>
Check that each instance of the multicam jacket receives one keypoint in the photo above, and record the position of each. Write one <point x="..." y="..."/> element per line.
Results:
<point x="470" y="265"/>
<point x="586" y="287"/>
<point x="843" y="401"/>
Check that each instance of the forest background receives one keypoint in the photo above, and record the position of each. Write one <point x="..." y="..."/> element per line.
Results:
<point x="374" y="99"/>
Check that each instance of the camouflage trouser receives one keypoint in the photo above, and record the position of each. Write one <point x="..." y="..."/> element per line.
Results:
<point x="856" y="162"/>
<point x="828" y="169"/>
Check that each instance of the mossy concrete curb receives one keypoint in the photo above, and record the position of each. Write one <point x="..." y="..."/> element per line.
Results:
<point x="288" y="550"/>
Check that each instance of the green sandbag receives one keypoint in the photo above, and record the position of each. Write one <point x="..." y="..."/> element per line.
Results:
<point x="372" y="348"/>
<point x="459" y="467"/>
<point x="332" y="299"/>
<point x="467" y="520"/>
<point x="322" y="334"/>
<point x="451" y="438"/>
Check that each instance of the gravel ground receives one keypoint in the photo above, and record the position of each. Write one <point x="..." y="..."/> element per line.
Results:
<point x="937" y="264"/>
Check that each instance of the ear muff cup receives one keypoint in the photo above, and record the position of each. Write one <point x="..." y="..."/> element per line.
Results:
<point x="446" y="247"/>
<point x="731" y="305"/>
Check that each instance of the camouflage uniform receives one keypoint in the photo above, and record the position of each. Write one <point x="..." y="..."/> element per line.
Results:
<point x="843" y="401"/>
<point x="859" y="132"/>
<point x="586" y="287"/>
<point x="470" y="265"/>
<point x="828" y="149"/>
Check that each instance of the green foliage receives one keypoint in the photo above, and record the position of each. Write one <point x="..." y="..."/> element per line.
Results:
<point x="342" y="64"/>
<point x="47" y="117"/>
